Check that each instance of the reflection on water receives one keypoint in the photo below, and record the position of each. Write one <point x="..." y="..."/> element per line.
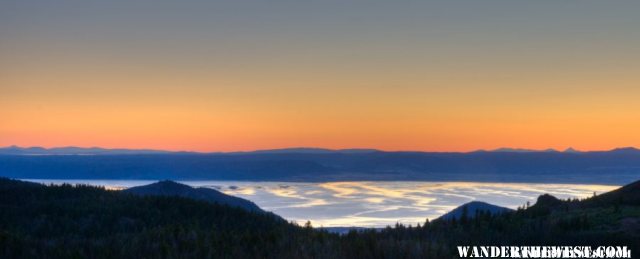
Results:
<point x="372" y="204"/>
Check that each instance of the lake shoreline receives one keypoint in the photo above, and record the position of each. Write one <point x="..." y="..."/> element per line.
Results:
<point x="368" y="204"/>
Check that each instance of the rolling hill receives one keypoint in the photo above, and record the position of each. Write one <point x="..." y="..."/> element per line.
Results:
<point x="170" y="188"/>
<point x="38" y="221"/>
<point x="470" y="210"/>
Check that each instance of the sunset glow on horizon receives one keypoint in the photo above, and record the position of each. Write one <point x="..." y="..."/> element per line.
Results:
<point x="231" y="76"/>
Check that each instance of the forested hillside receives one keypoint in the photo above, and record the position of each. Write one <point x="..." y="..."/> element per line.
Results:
<point x="89" y="222"/>
<point x="38" y="221"/>
<point x="171" y="188"/>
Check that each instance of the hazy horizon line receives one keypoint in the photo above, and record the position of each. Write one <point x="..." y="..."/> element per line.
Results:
<point x="498" y="149"/>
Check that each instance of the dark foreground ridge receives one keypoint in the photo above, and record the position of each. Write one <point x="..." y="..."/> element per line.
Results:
<point x="472" y="209"/>
<point x="171" y="188"/>
<point x="38" y="221"/>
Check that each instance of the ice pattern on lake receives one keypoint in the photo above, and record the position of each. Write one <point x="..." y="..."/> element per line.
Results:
<point x="372" y="204"/>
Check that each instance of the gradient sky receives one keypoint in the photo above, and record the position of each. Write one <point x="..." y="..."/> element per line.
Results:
<point x="248" y="74"/>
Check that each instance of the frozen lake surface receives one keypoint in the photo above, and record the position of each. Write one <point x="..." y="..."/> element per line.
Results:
<point x="371" y="204"/>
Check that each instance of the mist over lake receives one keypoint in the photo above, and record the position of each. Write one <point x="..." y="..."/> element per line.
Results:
<point x="370" y="203"/>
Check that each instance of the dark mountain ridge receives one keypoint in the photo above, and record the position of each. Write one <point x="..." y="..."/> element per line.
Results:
<point x="470" y="210"/>
<point x="38" y="221"/>
<point x="171" y="188"/>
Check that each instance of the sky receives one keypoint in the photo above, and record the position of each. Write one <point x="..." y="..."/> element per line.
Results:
<point x="393" y="75"/>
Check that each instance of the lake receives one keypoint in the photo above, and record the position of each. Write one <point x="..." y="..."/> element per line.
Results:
<point x="370" y="204"/>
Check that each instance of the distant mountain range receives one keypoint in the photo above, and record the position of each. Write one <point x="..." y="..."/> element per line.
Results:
<point x="16" y="150"/>
<point x="311" y="164"/>
<point x="170" y="188"/>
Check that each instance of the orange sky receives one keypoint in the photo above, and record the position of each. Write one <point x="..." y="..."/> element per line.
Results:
<point x="387" y="77"/>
